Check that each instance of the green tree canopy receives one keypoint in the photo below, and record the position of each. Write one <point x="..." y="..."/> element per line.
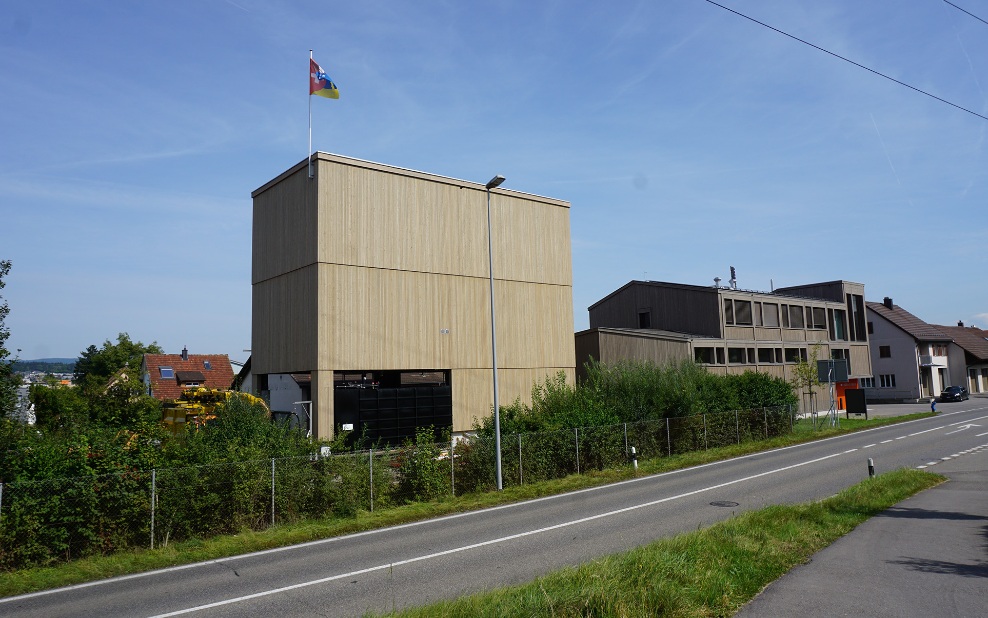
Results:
<point x="8" y="380"/>
<point x="95" y="365"/>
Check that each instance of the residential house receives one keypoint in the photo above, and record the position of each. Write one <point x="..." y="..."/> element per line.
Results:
<point x="165" y="376"/>
<point x="968" y="356"/>
<point x="909" y="357"/>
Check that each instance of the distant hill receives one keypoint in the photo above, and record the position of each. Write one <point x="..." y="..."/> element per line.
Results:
<point x="48" y="365"/>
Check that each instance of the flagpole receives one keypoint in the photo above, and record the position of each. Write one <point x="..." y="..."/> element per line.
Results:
<point x="309" y="154"/>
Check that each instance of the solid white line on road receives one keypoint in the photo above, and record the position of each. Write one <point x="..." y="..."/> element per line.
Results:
<point x="503" y="539"/>
<point x="850" y="450"/>
<point x="868" y="446"/>
<point x="926" y="431"/>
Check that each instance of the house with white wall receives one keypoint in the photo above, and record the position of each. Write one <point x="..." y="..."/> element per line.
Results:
<point x="910" y="358"/>
<point x="968" y="357"/>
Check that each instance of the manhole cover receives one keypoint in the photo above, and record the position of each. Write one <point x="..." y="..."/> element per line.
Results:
<point x="727" y="503"/>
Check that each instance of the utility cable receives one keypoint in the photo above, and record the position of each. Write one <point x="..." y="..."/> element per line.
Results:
<point x="966" y="11"/>
<point x="861" y="66"/>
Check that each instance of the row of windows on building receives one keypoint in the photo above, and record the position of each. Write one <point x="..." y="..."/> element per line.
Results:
<point x="885" y="380"/>
<point x="761" y="356"/>
<point x="739" y="312"/>
<point x="885" y="351"/>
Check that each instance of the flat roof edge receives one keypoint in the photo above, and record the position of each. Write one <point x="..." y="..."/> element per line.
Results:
<point x="393" y="169"/>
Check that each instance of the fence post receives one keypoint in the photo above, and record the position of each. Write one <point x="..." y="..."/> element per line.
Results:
<point x="765" y="413"/>
<point x="452" y="466"/>
<point x="1" y="502"/>
<point x="577" y="434"/>
<point x="737" y="426"/>
<point x="668" y="438"/>
<point x="626" y="438"/>
<point x="705" y="447"/>
<point x="792" y="426"/>
<point x="272" y="491"/>
<point x="154" y="499"/>
<point x="521" y="475"/>
<point x="371" y="480"/>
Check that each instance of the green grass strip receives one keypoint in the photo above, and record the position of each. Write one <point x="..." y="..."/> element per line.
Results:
<point x="710" y="572"/>
<point x="187" y="552"/>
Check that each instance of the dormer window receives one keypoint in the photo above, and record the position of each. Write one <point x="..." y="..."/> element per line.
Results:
<point x="166" y="372"/>
<point x="207" y="365"/>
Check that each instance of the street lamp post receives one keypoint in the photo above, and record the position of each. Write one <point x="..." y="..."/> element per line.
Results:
<point x="494" y="182"/>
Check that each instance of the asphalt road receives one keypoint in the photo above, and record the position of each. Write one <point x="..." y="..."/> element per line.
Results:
<point x="451" y="556"/>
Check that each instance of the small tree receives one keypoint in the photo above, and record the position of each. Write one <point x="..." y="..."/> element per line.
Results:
<point x="95" y="365"/>
<point x="805" y="378"/>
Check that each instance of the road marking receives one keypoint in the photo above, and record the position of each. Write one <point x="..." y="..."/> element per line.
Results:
<point x="962" y="428"/>
<point x="981" y="434"/>
<point x="926" y="431"/>
<point x="868" y="446"/>
<point x="884" y="441"/>
<point x="850" y="450"/>
<point x="932" y="463"/>
<point x="902" y="437"/>
<point x="464" y="548"/>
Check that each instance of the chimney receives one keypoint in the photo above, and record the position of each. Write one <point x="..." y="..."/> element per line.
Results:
<point x="185" y="353"/>
<point x="960" y="323"/>
<point x="887" y="302"/>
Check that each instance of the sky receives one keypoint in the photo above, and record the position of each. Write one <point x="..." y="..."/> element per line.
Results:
<point x="687" y="139"/>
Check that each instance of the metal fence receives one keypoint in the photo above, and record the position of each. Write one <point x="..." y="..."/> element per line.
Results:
<point x="50" y="521"/>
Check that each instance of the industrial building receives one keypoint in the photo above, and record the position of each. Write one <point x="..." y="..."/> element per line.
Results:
<point x="730" y="330"/>
<point x="373" y="282"/>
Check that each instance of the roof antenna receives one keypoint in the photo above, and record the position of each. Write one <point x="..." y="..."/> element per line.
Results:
<point x="734" y="279"/>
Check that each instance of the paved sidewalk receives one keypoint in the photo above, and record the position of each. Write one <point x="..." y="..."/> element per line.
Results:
<point x="927" y="556"/>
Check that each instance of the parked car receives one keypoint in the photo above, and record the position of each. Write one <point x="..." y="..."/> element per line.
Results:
<point x="954" y="393"/>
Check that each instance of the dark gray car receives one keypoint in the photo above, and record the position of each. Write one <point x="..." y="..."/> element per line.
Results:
<point x="954" y="393"/>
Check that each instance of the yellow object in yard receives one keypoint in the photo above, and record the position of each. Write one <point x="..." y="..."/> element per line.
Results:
<point x="197" y="406"/>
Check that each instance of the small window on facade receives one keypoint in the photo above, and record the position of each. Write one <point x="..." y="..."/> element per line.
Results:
<point x="766" y="355"/>
<point x="840" y="325"/>
<point x="794" y="355"/>
<point x="742" y="312"/>
<point x="207" y="365"/>
<point x="770" y="315"/>
<point x="166" y="372"/>
<point x="644" y="318"/>
<point x="867" y="382"/>
<point x="704" y="355"/>
<point x="795" y="316"/>
<point x="757" y="314"/>
<point x="729" y="311"/>
<point x="785" y="316"/>
<point x="735" y="356"/>
<point x="886" y="380"/>
<point x="885" y="351"/>
<point x="720" y="356"/>
<point x="819" y="317"/>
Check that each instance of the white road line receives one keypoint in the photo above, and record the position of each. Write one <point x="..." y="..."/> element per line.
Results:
<point x="932" y="463"/>
<point x="926" y="431"/>
<point x="902" y="437"/>
<point x="884" y="441"/>
<point x="503" y="539"/>
<point x="850" y="450"/>
<point x="868" y="446"/>
<point x="981" y="434"/>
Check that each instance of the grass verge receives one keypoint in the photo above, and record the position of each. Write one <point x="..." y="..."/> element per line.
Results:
<point x="187" y="552"/>
<point x="711" y="572"/>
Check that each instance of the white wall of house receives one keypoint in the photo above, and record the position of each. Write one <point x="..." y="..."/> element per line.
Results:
<point x="901" y="362"/>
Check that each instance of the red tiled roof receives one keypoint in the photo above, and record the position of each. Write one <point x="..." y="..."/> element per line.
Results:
<point x="220" y="374"/>
<point x="972" y="340"/>
<point x="920" y="330"/>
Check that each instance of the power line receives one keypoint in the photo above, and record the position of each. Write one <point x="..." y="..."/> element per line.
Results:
<point x="966" y="11"/>
<point x="860" y="66"/>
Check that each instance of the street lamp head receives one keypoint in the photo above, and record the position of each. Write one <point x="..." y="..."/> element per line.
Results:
<point x="493" y="182"/>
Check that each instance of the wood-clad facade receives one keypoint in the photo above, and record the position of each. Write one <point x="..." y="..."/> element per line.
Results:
<point x="728" y="330"/>
<point x="368" y="267"/>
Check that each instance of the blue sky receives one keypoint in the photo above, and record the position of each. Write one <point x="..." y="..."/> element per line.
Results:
<point x="686" y="138"/>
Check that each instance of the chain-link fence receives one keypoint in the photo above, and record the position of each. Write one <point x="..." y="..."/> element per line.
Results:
<point x="50" y="521"/>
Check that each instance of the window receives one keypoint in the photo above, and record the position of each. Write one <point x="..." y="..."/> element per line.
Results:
<point x="729" y="311"/>
<point x="742" y="312"/>
<point x="866" y="382"/>
<point x="871" y="328"/>
<point x="704" y="355"/>
<point x="736" y="356"/>
<point x="886" y="380"/>
<point x="770" y="315"/>
<point x="720" y="356"/>
<point x="166" y="372"/>
<point x="939" y="350"/>
<point x="758" y="314"/>
<point x="840" y="325"/>
<point x="842" y="354"/>
<point x="785" y="316"/>
<point x="644" y="318"/>
<point x="885" y="351"/>
<point x="794" y="355"/>
<point x="795" y="316"/>
<point x="766" y="355"/>
<point x="207" y="365"/>
<point x="819" y="318"/>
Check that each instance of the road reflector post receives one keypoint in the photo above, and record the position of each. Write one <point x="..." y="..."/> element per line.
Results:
<point x="871" y="468"/>
<point x="634" y="459"/>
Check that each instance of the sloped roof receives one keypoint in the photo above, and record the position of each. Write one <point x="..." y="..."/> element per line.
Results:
<point x="920" y="330"/>
<point x="973" y="340"/>
<point x="219" y="374"/>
